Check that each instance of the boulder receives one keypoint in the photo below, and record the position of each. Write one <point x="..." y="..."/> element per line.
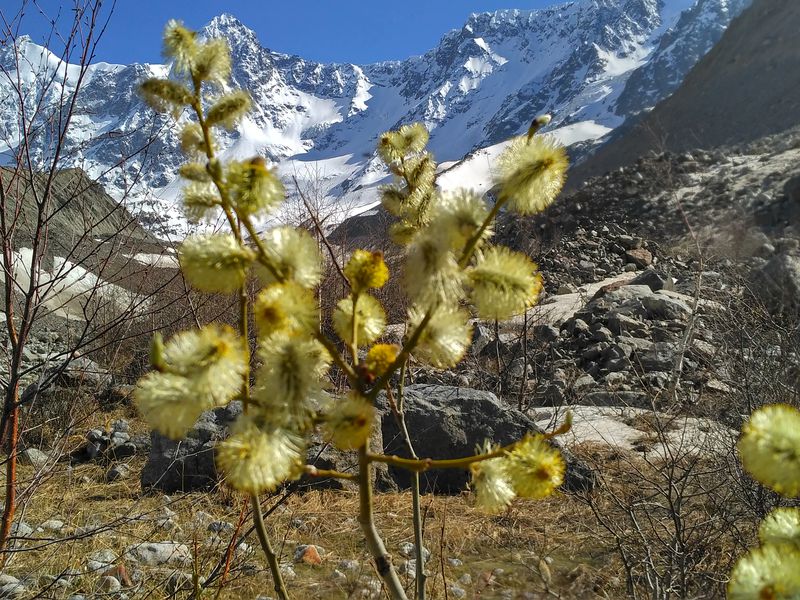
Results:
<point x="654" y="280"/>
<point x="188" y="464"/>
<point x="451" y="422"/>
<point x="34" y="457"/>
<point x="154" y="554"/>
<point x="777" y="284"/>
<point x="325" y="456"/>
<point x="641" y="257"/>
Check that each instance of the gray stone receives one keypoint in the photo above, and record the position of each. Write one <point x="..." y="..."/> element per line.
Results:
<point x="602" y="334"/>
<point x="154" y="554"/>
<point x="21" y="529"/>
<point x="660" y="358"/>
<point x="109" y="585"/>
<point x="657" y="379"/>
<point x="481" y="336"/>
<point x="621" y="324"/>
<point x="179" y="581"/>
<point x="777" y="284"/>
<point x="615" y="352"/>
<point x="450" y="422"/>
<point x="583" y="382"/>
<point x="220" y="527"/>
<point x="52" y="525"/>
<point x="11" y="588"/>
<point x="100" y="560"/>
<point x="544" y="332"/>
<point x="629" y="242"/>
<point x="703" y="350"/>
<point x="288" y="572"/>
<point x="188" y="465"/>
<point x="661" y="306"/>
<point x="455" y="562"/>
<point x="617" y="398"/>
<point x="409" y="550"/>
<point x="118" y="473"/>
<point x="566" y="288"/>
<point x="34" y="457"/>
<point x="124" y="450"/>
<point x="635" y="345"/>
<point x="617" y="364"/>
<point x="119" y="437"/>
<point x="615" y="379"/>
<point x="350" y="565"/>
<point x="518" y="368"/>
<point x="577" y="327"/>
<point x="654" y="280"/>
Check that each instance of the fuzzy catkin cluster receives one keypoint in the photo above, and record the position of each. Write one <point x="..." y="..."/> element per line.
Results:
<point x="770" y="451"/>
<point x="451" y="272"/>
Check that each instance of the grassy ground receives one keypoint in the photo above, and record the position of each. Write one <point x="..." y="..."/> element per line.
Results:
<point x="537" y="549"/>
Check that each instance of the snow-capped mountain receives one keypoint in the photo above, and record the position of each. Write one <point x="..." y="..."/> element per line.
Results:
<point x="590" y="63"/>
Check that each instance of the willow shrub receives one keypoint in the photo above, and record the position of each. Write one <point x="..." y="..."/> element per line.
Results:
<point x="451" y="272"/>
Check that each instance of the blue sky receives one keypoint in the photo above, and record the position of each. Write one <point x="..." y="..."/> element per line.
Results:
<point x="356" y="31"/>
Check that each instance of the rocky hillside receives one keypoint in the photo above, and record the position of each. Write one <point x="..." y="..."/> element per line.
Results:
<point x="592" y="63"/>
<point x="745" y="88"/>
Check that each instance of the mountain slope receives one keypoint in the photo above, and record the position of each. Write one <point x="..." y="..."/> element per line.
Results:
<point x="744" y="89"/>
<point x="582" y="61"/>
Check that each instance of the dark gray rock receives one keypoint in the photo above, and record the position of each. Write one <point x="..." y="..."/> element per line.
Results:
<point x="777" y="284"/>
<point x="617" y="398"/>
<point x="653" y="279"/>
<point x="118" y="472"/>
<point x="660" y="358"/>
<point x="621" y="324"/>
<point x="451" y="422"/>
<point x="661" y="306"/>
<point x="188" y="464"/>
<point x="546" y="333"/>
<point x="325" y="456"/>
<point x="481" y="336"/>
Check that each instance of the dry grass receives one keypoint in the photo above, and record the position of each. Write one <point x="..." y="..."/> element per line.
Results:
<point x="511" y="556"/>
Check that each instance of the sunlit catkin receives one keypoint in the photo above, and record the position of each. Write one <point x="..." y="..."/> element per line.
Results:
<point x="257" y="459"/>
<point x="369" y="315"/>
<point x="767" y="573"/>
<point x="770" y="448"/>
<point x="504" y="283"/>
<point x="781" y="526"/>
<point x="215" y="263"/>
<point x="531" y="173"/>
<point x="293" y="255"/>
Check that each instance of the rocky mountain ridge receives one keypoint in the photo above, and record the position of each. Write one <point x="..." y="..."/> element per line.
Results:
<point x="592" y="63"/>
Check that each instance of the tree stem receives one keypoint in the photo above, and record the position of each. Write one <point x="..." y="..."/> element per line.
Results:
<point x="383" y="561"/>
<point x="266" y="546"/>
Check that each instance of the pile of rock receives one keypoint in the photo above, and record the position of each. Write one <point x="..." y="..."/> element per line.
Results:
<point x="625" y="346"/>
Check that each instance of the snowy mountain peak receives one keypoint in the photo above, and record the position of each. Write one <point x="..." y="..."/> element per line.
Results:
<point x="227" y="25"/>
<point x="590" y="63"/>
